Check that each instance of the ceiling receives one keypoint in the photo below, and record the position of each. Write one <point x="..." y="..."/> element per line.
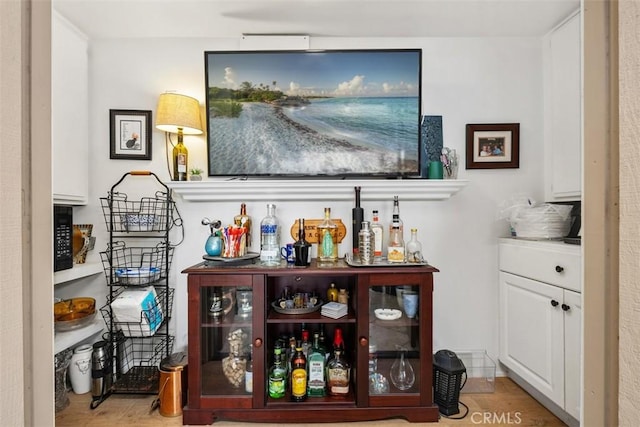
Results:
<point x="108" y="19"/>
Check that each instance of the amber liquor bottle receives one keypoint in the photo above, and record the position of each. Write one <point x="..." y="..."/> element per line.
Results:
<point x="299" y="376"/>
<point x="338" y="375"/>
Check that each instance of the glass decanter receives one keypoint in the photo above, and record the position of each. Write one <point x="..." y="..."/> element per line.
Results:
<point x="402" y="375"/>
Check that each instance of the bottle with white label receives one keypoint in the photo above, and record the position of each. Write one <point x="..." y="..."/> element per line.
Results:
<point x="395" y="249"/>
<point x="378" y="233"/>
<point x="270" y="238"/>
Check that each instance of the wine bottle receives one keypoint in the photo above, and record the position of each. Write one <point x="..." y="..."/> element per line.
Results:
<point x="180" y="160"/>
<point x="357" y="216"/>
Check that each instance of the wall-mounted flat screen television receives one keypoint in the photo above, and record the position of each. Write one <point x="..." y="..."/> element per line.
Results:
<point x="329" y="113"/>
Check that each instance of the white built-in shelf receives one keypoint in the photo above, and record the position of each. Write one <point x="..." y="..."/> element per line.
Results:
<point x="219" y="190"/>
<point x="64" y="340"/>
<point x="77" y="272"/>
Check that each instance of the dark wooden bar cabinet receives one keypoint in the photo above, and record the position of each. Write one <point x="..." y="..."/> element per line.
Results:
<point x="228" y="301"/>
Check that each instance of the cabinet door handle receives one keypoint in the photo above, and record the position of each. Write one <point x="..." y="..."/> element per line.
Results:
<point x="559" y="269"/>
<point x="364" y="341"/>
<point x="566" y="307"/>
<point x="554" y="303"/>
<point x="257" y="343"/>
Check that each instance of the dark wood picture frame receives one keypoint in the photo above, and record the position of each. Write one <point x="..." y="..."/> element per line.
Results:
<point x="130" y="134"/>
<point x="493" y="146"/>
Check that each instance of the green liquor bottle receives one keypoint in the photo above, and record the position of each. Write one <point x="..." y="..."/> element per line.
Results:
<point x="316" y="362"/>
<point x="277" y="375"/>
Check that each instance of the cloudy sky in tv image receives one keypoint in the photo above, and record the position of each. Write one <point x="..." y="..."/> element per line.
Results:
<point x="353" y="73"/>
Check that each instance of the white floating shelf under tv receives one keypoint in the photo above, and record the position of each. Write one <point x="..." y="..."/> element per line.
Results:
<point x="255" y="189"/>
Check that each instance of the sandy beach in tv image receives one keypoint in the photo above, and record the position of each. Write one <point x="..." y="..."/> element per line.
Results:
<point x="313" y="113"/>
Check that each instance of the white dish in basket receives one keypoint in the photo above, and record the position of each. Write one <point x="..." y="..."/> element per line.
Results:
<point x="138" y="276"/>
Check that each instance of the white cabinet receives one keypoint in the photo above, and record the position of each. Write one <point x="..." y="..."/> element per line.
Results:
<point x="540" y="317"/>
<point x="563" y="119"/>
<point x="69" y="113"/>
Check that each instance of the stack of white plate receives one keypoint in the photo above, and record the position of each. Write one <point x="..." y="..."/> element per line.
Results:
<point x="547" y="221"/>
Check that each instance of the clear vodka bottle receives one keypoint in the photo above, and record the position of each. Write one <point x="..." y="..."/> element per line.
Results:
<point x="270" y="238"/>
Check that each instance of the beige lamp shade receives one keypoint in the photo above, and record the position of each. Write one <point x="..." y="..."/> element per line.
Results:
<point x="177" y="112"/>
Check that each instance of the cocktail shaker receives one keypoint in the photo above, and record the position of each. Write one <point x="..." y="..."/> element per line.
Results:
<point x="365" y="243"/>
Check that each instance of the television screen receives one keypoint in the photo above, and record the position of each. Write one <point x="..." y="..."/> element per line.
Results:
<point x="314" y="113"/>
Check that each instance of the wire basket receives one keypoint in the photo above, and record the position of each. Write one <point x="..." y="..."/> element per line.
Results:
<point x="149" y="214"/>
<point x="140" y="359"/>
<point x="154" y="311"/>
<point x="136" y="266"/>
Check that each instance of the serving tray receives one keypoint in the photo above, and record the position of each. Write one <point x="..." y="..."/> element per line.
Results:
<point x="305" y="310"/>
<point x="248" y="258"/>
<point x="355" y="262"/>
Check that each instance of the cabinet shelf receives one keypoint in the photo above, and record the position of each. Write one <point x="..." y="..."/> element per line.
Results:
<point x="65" y="340"/>
<point x="252" y="190"/>
<point x="315" y="317"/>
<point x="78" y="271"/>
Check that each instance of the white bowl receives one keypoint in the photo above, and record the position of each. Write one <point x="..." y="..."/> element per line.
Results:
<point x="387" y="313"/>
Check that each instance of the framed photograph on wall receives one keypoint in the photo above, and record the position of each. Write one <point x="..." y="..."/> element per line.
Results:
<point x="493" y="146"/>
<point x="130" y="134"/>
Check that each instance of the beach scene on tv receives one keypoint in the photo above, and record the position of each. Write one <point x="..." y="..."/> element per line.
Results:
<point x="333" y="113"/>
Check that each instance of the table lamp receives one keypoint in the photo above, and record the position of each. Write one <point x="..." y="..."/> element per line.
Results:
<point x="179" y="114"/>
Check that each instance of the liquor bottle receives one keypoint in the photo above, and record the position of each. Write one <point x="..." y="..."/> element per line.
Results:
<point x="395" y="250"/>
<point x="277" y="375"/>
<point x="306" y="344"/>
<point x="291" y="352"/>
<point x="332" y="293"/>
<point x="327" y="239"/>
<point x="357" y="216"/>
<point x="298" y="376"/>
<point x="338" y="340"/>
<point x="378" y="231"/>
<point x="248" y="374"/>
<point x="243" y="220"/>
<point x="338" y="375"/>
<point x="270" y="238"/>
<point x="180" y="160"/>
<point x="338" y="344"/>
<point x="396" y="211"/>
<point x="366" y="244"/>
<point x="414" y="248"/>
<point x="316" y="362"/>
<point x="301" y="247"/>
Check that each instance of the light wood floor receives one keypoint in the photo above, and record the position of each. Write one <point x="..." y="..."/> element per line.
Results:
<point x="509" y="405"/>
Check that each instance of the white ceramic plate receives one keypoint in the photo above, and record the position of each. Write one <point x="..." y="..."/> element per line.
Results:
<point x="387" y="313"/>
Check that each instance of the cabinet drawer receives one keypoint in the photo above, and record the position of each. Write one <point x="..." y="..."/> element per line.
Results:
<point x="554" y="263"/>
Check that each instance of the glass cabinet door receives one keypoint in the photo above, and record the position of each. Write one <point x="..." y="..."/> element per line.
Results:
<point x="228" y="358"/>
<point x="396" y="339"/>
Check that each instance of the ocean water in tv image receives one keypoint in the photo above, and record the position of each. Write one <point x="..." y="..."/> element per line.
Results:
<point x="327" y="136"/>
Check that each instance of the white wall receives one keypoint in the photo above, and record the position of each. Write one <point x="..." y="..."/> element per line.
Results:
<point x="464" y="80"/>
